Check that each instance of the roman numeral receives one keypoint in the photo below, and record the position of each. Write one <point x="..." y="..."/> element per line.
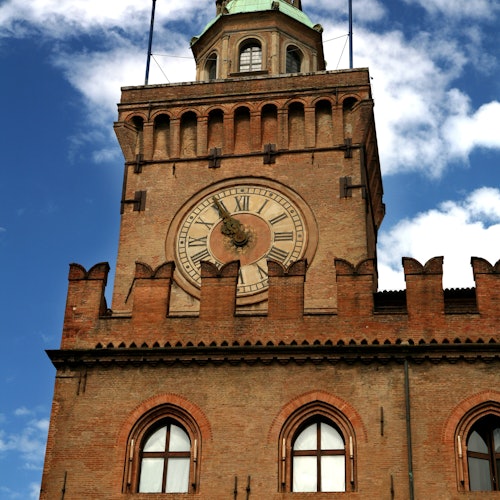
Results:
<point x="241" y="279"/>
<point x="197" y="242"/>
<point x="277" y="254"/>
<point x="208" y="225"/>
<point x="278" y="218"/>
<point x="283" y="236"/>
<point x="198" y="257"/>
<point x="242" y="203"/>
<point x="262" y="272"/>
<point x="262" y="206"/>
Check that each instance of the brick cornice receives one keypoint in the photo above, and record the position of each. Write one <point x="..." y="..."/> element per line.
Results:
<point x="280" y="354"/>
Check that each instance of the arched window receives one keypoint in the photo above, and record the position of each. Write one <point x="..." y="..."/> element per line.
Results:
<point x="165" y="460"/>
<point x="293" y="59"/>
<point x="162" y="454"/>
<point x="251" y="57"/>
<point x="317" y="450"/>
<point x="211" y="67"/>
<point x="318" y="458"/>
<point x="483" y="454"/>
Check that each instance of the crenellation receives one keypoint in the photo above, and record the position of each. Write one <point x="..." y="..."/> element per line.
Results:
<point x="487" y="278"/>
<point x="424" y="289"/>
<point x="85" y="302"/>
<point x="423" y="313"/>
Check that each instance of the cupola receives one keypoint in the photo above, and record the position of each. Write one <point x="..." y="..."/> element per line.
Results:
<point x="258" y="38"/>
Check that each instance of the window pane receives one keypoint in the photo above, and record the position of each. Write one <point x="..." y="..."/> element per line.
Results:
<point x="496" y="440"/>
<point x="305" y="474"/>
<point x="178" y="475"/>
<point x="251" y="58"/>
<point x="307" y="439"/>
<point x="476" y="443"/>
<point x="479" y="474"/>
<point x="151" y="475"/>
<point x="331" y="438"/>
<point x="333" y="473"/>
<point x="156" y="442"/>
<point x="179" y="440"/>
<point x="292" y="60"/>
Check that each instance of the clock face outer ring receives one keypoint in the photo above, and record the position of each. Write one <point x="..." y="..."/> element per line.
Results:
<point x="276" y="221"/>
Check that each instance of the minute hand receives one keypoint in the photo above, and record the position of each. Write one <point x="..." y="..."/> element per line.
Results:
<point x="231" y="227"/>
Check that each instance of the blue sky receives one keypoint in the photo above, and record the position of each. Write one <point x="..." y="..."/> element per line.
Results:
<point x="434" y="67"/>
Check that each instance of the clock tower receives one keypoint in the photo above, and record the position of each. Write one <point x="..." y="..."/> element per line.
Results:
<point x="247" y="353"/>
<point x="266" y="157"/>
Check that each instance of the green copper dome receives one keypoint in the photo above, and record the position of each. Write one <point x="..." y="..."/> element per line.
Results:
<point x="247" y="6"/>
<point x="239" y="6"/>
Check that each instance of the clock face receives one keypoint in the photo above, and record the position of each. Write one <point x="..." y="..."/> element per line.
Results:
<point x="248" y="222"/>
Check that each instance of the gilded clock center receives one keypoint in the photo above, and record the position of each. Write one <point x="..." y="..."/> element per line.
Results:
<point x="257" y="245"/>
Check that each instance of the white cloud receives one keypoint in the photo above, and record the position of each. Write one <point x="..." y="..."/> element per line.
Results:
<point x="62" y="19"/>
<point x="458" y="8"/>
<point x="467" y="130"/>
<point x="23" y="411"/>
<point x="27" y="444"/>
<point x="456" y="230"/>
<point x="424" y="123"/>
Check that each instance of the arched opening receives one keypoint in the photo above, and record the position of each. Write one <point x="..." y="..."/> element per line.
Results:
<point x="324" y="124"/>
<point x="242" y="130"/>
<point x="138" y="124"/>
<point x="163" y="452"/>
<point x="347" y="108"/>
<point x="211" y="67"/>
<point x="293" y="59"/>
<point x="165" y="459"/>
<point x="296" y="126"/>
<point x="317" y="450"/>
<point x="483" y="454"/>
<point x="269" y="124"/>
<point x="318" y="458"/>
<point x="188" y="134"/>
<point x="161" y="148"/>
<point x="250" y="58"/>
<point x="215" y="137"/>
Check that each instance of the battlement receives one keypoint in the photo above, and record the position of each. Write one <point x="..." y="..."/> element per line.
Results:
<point x="423" y="313"/>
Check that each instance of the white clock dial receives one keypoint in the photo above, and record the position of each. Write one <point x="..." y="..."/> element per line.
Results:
<point x="249" y="223"/>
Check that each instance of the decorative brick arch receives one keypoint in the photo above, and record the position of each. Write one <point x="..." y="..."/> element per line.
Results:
<point x="129" y="118"/>
<point x="309" y="398"/>
<point x="173" y="400"/>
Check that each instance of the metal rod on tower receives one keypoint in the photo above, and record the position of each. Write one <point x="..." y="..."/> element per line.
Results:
<point x="150" y="44"/>
<point x="350" y="35"/>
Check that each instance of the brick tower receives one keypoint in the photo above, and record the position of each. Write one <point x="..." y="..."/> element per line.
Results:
<point x="247" y="353"/>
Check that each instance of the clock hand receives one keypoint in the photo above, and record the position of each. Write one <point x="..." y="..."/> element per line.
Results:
<point x="230" y="226"/>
